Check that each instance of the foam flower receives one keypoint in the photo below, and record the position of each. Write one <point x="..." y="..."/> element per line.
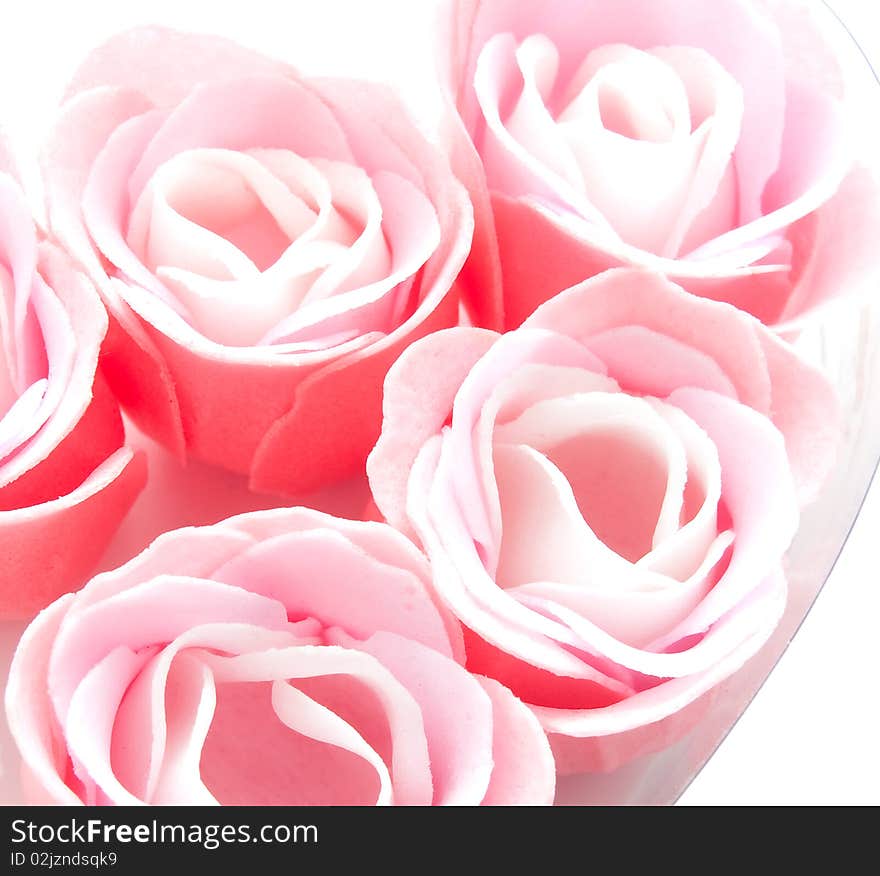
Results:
<point x="266" y="245"/>
<point x="606" y="495"/>
<point x="720" y="147"/>
<point x="279" y="657"/>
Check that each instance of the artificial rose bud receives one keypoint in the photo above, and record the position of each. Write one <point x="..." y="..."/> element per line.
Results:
<point x="266" y="244"/>
<point x="715" y="143"/>
<point x="279" y="657"/>
<point x="606" y="495"/>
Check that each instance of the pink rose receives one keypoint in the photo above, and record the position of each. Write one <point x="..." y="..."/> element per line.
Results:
<point x="267" y="245"/>
<point x="280" y="657"/>
<point x="606" y="495"/>
<point x="713" y="146"/>
<point x="66" y="476"/>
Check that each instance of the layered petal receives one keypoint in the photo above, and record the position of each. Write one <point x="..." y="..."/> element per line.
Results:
<point x="660" y="138"/>
<point x="606" y="495"/>
<point x="279" y="657"/>
<point x="66" y="477"/>
<point x="246" y="326"/>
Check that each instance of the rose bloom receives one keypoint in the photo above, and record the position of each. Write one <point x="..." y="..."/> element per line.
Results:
<point x="266" y="244"/>
<point x="707" y="141"/>
<point x="66" y="476"/>
<point x="279" y="657"/>
<point x="605" y="495"/>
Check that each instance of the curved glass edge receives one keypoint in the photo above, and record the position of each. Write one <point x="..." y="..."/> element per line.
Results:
<point x="846" y="346"/>
<point x="662" y="777"/>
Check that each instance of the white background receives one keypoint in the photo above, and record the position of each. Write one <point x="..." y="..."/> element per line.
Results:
<point x="812" y="733"/>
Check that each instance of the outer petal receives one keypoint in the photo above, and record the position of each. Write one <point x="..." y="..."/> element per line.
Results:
<point x="524" y="770"/>
<point x="835" y="248"/>
<point x="8" y="158"/>
<point x="50" y="548"/>
<point x="98" y="434"/>
<point x="523" y="229"/>
<point x="481" y="276"/>
<point x="336" y="417"/>
<point x="29" y="710"/>
<point x="600" y="740"/>
<point x="378" y="541"/>
<point x="419" y="391"/>
<point x="340" y="585"/>
<point x="809" y="58"/>
<point x="164" y="65"/>
<point x="629" y="297"/>
<point x="807" y="412"/>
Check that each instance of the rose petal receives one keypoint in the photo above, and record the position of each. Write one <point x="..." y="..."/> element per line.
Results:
<point x="88" y="724"/>
<point x="339" y="585"/>
<point x="626" y="298"/>
<point x="603" y="739"/>
<point x="133" y="619"/>
<point x="419" y="391"/>
<point x="43" y="544"/>
<point x="29" y="710"/>
<point x="740" y="36"/>
<point x="523" y="763"/>
<point x="459" y="739"/>
<point x="409" y="766"/>
<point x="165" y="65"/>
